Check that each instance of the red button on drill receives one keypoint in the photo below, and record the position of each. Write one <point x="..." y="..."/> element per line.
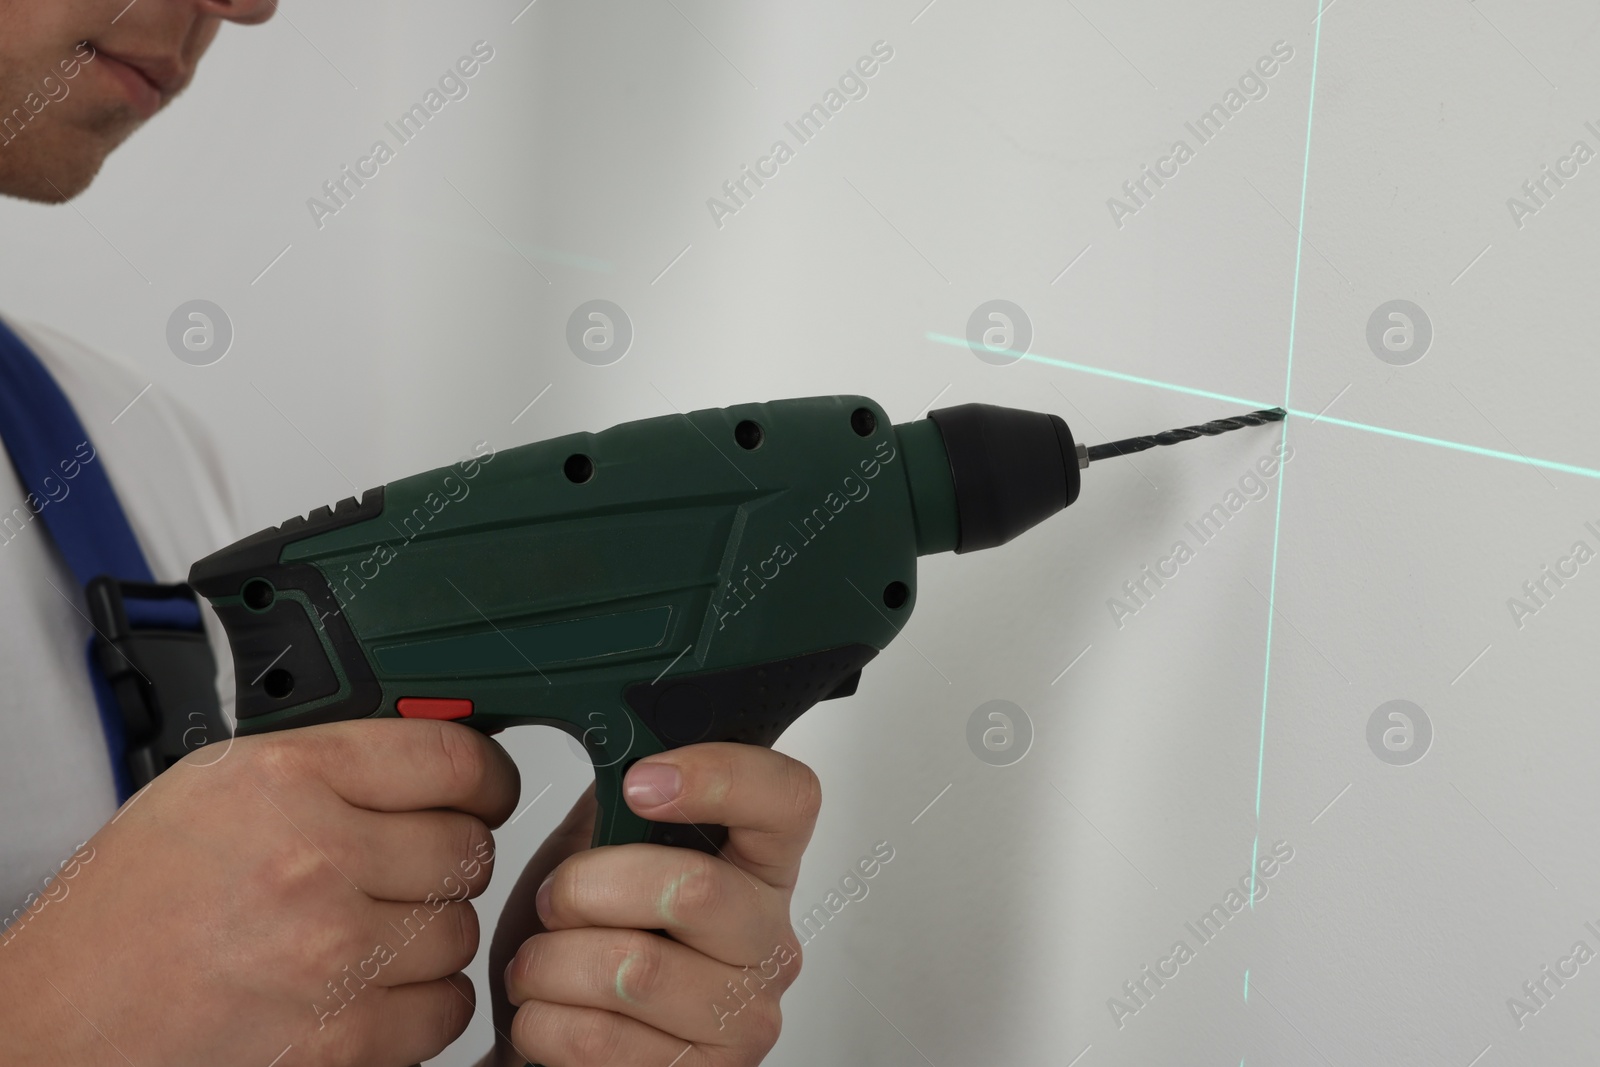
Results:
<point x="433" y="708"/>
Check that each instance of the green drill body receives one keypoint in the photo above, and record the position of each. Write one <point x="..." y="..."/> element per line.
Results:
<point x="656" y="584"/>
<point x="688" y="578"/>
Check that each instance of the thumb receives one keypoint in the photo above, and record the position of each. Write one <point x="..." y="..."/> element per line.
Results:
<point x="519" y="920"/>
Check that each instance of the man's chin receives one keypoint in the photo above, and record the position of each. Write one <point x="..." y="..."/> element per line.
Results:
<point x="54" y="165"/>
<point x="45" y="188"/>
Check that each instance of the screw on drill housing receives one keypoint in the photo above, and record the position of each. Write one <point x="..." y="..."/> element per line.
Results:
<point x="1172" y="437"/>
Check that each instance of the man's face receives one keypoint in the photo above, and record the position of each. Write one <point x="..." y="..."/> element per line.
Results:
<point x="78" y="76"/>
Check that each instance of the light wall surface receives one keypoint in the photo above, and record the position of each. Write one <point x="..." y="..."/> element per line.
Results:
<point x="1174" y="740"/>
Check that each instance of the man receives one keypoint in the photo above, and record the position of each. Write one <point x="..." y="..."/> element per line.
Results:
<point x="304" y="897"/>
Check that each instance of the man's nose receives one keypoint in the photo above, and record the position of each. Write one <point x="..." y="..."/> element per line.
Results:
<point x="247" y="12"/>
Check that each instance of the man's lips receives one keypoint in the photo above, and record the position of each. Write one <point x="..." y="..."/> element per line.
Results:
<point x="149" y="80"/>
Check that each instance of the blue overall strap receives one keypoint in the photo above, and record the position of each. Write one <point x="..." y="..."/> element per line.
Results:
<point x="78" y="506"/>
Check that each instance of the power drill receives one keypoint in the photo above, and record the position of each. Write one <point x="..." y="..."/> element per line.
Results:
<point x="680" y="579"/>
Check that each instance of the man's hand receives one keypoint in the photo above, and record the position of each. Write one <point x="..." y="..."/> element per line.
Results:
<point x="307" y="889"/>
<point x="592" y="985"/>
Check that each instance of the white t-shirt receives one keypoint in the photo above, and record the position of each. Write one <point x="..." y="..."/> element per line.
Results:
<point x="56" y="787"/>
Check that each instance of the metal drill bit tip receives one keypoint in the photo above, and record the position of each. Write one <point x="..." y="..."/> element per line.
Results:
<point x="1184" y="433"/>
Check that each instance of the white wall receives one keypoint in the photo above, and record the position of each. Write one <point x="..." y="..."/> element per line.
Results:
<point x="978" y="166"/>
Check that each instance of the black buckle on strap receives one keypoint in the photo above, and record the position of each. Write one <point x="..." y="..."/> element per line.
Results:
<point x="163" y="678"/>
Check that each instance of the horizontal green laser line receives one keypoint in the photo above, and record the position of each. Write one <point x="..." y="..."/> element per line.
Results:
<point x="1439" y="442"/>
<point x="1547" y="464"/>
<point x="961" y="342"/>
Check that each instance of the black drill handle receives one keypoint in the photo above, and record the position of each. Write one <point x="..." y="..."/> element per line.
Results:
<point x="750" y="705"/>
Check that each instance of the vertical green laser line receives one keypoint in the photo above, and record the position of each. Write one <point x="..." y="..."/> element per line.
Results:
<point x="1255" y="848"/>
<point x="1288" y="381"/>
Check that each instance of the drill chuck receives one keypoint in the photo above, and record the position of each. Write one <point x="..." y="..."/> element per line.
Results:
<point x="1011" y="470"/>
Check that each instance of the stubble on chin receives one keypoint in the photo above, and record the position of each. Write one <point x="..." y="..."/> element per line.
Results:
<point x="57" y="156"/>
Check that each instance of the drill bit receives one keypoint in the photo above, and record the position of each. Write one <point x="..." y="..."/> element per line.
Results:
<point x="1172" y="437"/>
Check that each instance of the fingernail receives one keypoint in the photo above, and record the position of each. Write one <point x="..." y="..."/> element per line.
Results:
<point x="541" y="900"/>
<point x="505" y="982"/>
<point x="652" y="783"/>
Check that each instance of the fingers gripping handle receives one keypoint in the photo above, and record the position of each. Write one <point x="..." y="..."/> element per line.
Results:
<point x="751" y="705"/>
<point x="616" y="740"/>
<point x="617" y="824"/>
